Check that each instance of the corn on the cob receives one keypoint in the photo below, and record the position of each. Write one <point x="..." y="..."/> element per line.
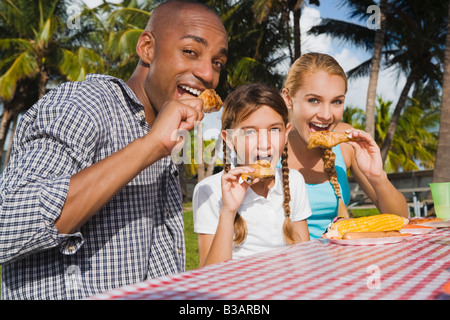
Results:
<point x="380" y="222"/>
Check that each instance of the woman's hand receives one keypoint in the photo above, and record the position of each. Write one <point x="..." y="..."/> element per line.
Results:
<point x="233" y="192"/>
<point x="367" y="153"/>
<point x="371" y="176"/>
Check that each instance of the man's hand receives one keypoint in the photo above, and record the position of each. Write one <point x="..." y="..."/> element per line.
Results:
<point x="174" y="115"/>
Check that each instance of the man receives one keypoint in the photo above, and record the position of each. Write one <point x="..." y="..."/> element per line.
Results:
<point x="90" y="200"/>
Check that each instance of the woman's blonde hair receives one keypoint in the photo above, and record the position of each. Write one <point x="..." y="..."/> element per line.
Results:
<point x="311" y="62"/>
<point x="239" y="105"/>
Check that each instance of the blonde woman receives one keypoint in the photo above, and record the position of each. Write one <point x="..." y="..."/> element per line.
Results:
<point x="234" y="218"/>
<point x="314" y="93"/>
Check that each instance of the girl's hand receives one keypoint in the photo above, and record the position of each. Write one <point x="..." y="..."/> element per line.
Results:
<point x="367" y="153"/>
<point x="233" y="192"/>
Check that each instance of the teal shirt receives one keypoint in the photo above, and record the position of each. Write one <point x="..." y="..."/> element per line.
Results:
<point x="323" y="200"/>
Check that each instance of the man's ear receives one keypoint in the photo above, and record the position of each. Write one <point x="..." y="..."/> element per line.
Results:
<point x="145" y="47"/>
<point x="287" y="99"/>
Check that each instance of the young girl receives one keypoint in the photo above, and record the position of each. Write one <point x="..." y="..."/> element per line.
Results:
<point x="314" y="93"/>
<point x="234" y="218"/>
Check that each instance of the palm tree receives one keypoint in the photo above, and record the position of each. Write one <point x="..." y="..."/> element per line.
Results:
<point x="354" y="116"/>
<point x="255" y="49"/>
<point x="418" y="40"/>
<point x="442" y="168"/>
<point x="358" y="9"/>
<point x="112" y="31"/>
<point x="415" y="32"/>
<point x="36" y="46"/>
<point x="416" y="141"/>
<point x="374" y="69"/>
<point x="25" y="96"/>
<point x="264" y="9"/>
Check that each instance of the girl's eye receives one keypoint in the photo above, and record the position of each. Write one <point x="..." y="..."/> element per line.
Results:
<point x="275" y="129"/>
<point x="338" y="102"/>
<point x="313" y="100"/>
<point x="249" y="132"/>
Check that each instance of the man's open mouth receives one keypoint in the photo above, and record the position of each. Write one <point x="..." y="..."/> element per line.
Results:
<point x="189" y="90"/>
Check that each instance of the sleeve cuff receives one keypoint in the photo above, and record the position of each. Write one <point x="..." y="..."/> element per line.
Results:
<point x="70" y="243"/>
<point x="52" y="200"/>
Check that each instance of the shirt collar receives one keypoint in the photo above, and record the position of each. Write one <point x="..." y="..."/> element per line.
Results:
<point x="136" y="106"/>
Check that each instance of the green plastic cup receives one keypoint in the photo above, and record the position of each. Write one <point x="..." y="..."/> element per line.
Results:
<point x="441" y="198"/>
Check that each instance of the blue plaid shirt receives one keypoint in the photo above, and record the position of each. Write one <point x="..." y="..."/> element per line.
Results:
<point x="137" y="235"/>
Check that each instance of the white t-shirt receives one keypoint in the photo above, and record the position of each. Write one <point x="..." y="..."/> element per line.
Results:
<point x="264" y="216"/>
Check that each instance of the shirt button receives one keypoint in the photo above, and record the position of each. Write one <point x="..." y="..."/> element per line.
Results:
<point x="179" y="251"/>
<point x="71" y="249"/>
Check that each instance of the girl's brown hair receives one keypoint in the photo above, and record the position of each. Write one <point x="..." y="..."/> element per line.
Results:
<point x="311" y="62"/>
<point x="239" y="105"/>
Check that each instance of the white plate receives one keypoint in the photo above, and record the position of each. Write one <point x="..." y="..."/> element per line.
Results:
<point x="416" y="230"/>
<point x="368" y="241"/>
<point x="437" y="224"/>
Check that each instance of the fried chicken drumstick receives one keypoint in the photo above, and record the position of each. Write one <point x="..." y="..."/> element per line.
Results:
<point x="211" y="101"/>
<point x="327" y="139"/>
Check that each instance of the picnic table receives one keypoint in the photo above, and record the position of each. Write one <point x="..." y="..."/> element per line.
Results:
<point x="416" y="268"/>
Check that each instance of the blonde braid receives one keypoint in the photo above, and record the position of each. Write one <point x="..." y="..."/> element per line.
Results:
<point x="290" y="236"/>
<point x="240" y="227"/>
<point x="329" y="158"/>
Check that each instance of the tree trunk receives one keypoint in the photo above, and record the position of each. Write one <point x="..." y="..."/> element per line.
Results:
<point x="375" y="67"/>
<point x="25" y="95"/>
<point x="42" y="84"/>
<point x="182" y="179"/>
<point x="442" y="165"/>
<point x="297" y="33"/>
<point x="4" y="127"/>
<point x="198" y="156"/>
<point x="285" y="16"/>
<point x="11" y="138"/>
<point x="396" y="115"/>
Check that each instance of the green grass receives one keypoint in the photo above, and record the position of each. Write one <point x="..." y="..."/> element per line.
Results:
<point x="363" y="212"/>
<point x="190" y="238"/>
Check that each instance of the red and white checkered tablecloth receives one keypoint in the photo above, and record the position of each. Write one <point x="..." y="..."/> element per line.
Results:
<point x="416" y="268"/>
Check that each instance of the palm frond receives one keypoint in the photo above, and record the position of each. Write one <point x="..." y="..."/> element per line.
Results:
<point x="128" y="41"/>
<point x="15" y="43"/>
<point x="24" y="66"/>
<point x="346" y="32"/>
<point x="362" y="70"/>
